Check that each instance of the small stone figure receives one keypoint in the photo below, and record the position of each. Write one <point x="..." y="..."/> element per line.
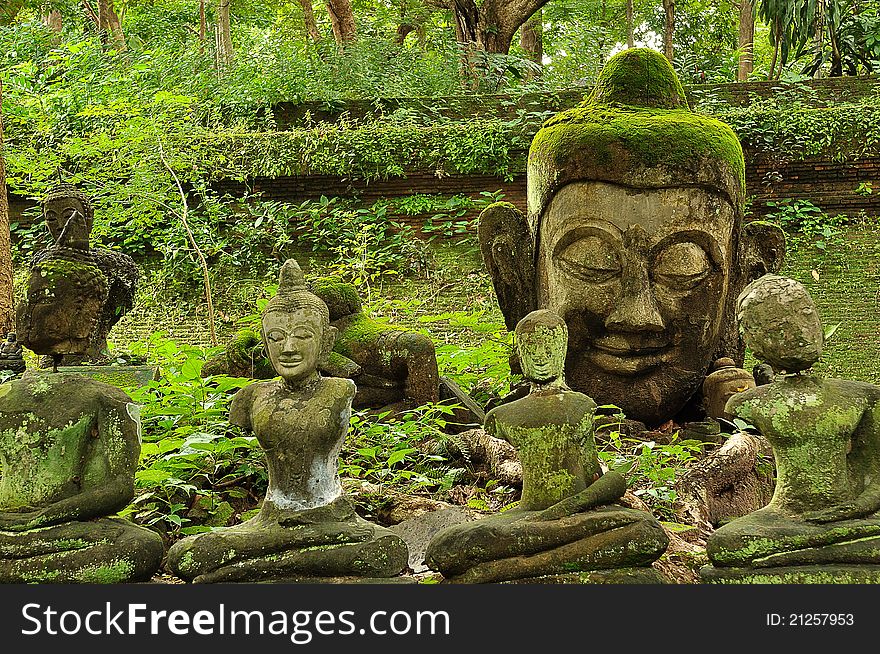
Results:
<point x="11" y="355"/>
<point x="306" y="530"/>
<point x="69" y="448"/>
<point x="76" y="293"/>
<point x="725" y="381"/>
<point x="635" y="237"/>
<point x="566" y="527"/>
<point x="822" y="525"/>
<point x="393" y="368"/>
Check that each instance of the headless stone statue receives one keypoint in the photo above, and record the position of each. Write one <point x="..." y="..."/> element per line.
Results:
<point x="69" y="447"/>
<point x="566" y="527"/>
<point x="11" y="355"/>
<point x="822" y="525"/>
<point x="306" y="530"/>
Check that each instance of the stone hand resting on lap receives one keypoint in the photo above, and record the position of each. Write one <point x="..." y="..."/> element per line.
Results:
<point x="305" y="528"/>
<point x="69" y="446"/>
<point x="563" y="525"/>
<point x="822" y="524"/>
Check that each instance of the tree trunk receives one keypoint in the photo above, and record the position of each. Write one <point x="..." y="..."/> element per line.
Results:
<point x="777" y="36"/>
<point x="224" y="35"/>
<point x="7" y="315"/>
<point x="203" y="27"/>
<point x="746" y="40"/>
<point x="309" y="20"/>
<point x="342" y="20"/>
<point x="52" y="20"/>
<point x="630" y="41"/>
<point x="109" y="25"/>
<point x="531" y="37"/>
<point x="668" y="28"/>
<point x="819" y="36"/>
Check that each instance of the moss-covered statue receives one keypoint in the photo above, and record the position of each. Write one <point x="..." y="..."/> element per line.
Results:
<point x="306" y="529"/>
<point x="634" y="236"/>
<point x="566" y="528"/>
<point x="69" y="448"/>
<point x="76" y="293"/>
<point x="823" y="523"/>
<point x="393" y="368"/>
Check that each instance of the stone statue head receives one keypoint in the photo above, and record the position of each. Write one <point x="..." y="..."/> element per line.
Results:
<point x="69" y="215"/>
<point x="541" y="342"/>
<point x="780" y="323"/>
<point x="296" y="328"/>
<point x="635" y="237"/>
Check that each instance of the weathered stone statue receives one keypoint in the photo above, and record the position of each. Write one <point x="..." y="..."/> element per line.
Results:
<point x="822" y="525"/>
<point x="69" y="447"/>
<point x="393" y="368"/>
<point x="306" y="530"/>
<point x="11" y="355"/>
<point x="634" y="236"/>
<point x="566" y="527"/>
<point x="75" y="293"/>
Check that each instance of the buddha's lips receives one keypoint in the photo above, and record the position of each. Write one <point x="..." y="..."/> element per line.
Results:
<point x="617" y="355"/>
<point x="290" y="361"/>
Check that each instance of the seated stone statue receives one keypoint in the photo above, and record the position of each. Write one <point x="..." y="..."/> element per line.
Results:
<point x="69" y="447"/>
<point x="566" y="527"/>
<point x="822" y="525"/>
<point x="306" y="530"/>
<point x="76" y="293"/>
<point x="11" y="355"/>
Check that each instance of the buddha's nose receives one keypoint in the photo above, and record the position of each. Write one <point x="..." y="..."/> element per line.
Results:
<point x="637" y="309"/>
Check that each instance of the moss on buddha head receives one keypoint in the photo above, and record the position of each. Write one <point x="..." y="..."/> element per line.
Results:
<point x="639" y="77"/>
<point x="635" y="129"/>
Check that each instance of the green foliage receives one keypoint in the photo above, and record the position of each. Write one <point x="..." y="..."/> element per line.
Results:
<point x="650" y="468"/>
<point x="397" y="450"/>
<point x="190" y="452"/>
<point x="805" y="223"/>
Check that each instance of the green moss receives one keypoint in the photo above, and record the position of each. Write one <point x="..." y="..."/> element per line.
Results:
<point x="341" y="298"/>
<point x="83" y="273"/>
<point x="361" y="332"/>
<point x="653" y="137"/>
<point x="111" y="573"/>
<point x="640" y="77"/>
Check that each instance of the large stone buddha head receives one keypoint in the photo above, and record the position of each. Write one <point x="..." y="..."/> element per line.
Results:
<point x="635" y="237"/>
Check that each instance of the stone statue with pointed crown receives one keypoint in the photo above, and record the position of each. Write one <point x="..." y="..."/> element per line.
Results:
<point x="306" y="529"/>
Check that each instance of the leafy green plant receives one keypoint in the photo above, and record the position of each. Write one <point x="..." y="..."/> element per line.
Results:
<point x="395" y="450"/>
<point x="803" y="219"/>
<point x="650" y="468"/>
<point x="191" y="457"/>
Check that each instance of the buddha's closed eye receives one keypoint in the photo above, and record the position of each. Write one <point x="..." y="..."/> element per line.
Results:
<point x="681" y="266"/>
<point x="591" y="258"/>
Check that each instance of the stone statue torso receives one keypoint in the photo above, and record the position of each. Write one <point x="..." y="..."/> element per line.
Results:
<point x="552" y="430"/>
<point x="824" y="434"/>
<point x="301" y="432"/>
<point x="49" y="438"/>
